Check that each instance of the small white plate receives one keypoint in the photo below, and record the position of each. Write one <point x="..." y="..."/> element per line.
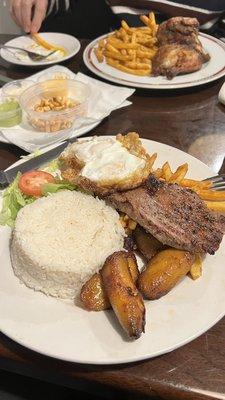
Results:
<point x="210" y="71"/>
<point x="70" y="43"/>
<point x="59" y="329"/>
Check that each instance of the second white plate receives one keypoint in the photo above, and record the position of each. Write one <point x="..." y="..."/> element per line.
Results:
<point x="70" y="43"/>
<point x="212" y="70"/>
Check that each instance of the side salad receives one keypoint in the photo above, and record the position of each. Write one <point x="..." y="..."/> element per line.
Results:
<point x="27" y="187"/>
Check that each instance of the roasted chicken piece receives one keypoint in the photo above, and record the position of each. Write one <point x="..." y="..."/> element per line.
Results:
<point x="174" y="59"/>
<point x="181" y="30"/>
<point x="180" y="50"/>
<point x="123" y="295"/>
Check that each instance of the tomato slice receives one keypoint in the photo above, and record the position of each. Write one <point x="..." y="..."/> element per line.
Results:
<point x="31" y="182"/>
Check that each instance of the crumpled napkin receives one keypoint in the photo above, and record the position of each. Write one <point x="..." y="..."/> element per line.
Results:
<point x="104" y="98"/>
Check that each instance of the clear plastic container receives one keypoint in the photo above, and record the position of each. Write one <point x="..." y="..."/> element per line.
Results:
<point x="14" y="89"/>
<point x="10" y="113"/>
<point x="41" y="104"/>
<point x="56" y="73"/>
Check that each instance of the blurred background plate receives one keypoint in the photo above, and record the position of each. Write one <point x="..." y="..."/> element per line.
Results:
<point x="210" y="71"/>
<point x="70" y="43"/>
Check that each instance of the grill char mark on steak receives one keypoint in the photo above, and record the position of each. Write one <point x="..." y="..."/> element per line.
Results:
<point x="176" y="216"/>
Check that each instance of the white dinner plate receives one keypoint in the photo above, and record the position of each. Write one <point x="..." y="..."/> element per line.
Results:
<point x="59" y="329"/>
<point x="210" y="71"/>
<point x="70" y="43"/>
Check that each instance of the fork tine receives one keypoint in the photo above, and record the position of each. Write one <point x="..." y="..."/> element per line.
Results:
<point x="218" y="189"/>
<point x="218" y="185"/>
<point x="216" y="178"/>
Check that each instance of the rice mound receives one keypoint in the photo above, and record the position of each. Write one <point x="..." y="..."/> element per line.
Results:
<point x="61" y="240"/>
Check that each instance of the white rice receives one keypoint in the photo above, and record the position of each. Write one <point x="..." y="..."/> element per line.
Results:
<point x="61" y="240"/>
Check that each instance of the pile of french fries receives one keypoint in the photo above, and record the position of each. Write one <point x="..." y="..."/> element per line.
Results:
<point x="130" y="49"/>
<point x="215" y="200"/>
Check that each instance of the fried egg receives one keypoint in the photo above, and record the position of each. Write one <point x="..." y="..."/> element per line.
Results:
<point x="106" y="164"/>
<point x="105" y="159"/>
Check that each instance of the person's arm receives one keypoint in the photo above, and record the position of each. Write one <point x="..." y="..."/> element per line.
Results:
<point x="205" y="11"/>
<point x="28" y="14"/>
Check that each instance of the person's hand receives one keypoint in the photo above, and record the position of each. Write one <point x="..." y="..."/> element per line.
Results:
<point x="28" y="14"/>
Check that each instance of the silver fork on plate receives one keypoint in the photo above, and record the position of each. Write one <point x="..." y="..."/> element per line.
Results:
<point x="31" y="54"/>
<point x="218" y="182"/>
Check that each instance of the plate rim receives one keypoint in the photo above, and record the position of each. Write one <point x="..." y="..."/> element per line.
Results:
<point x="134" y="358"/>
<point x="42" y="63"/>
<point x="89" y="64"/>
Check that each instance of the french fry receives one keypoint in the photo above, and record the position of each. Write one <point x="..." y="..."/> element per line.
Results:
<point x="148" y="42"/>
<point x="118" y="44"/>
<point x="152" y="159"/>
<point x="191" y="183"/>
<point x="125" y="26"/>
<point x="218" y="206"/>
<point x="145" y="20"/>
<point x="211" y="195"/>
<point x="158" y="173"/>
<point x="147" y="54"/>
<point x="137" y="65"/>
<point x="179" y="174"/>
<point x="39" y="40"/>
<point x="99" y="54"/>
<point x="196" y="268"/>
<point x="118" y="56"/>
<point x="101" y="44"/>
<point x="114" y="63"/>
<point x="152" y="23"/>
<point x="109" y="47"/>
<point x="133" y="38"/>
<point x="166" y="172"/>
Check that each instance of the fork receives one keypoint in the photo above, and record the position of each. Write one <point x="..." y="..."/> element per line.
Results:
<point x="31" y="54"/>
<point x="218" y="182"/>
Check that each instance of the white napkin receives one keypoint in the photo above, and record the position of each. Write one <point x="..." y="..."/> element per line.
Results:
<point x="104" y="98"/>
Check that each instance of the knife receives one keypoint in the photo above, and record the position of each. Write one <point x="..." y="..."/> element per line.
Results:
<point x="6" y="177"/>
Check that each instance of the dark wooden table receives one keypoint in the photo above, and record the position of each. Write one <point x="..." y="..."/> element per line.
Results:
<point x="193" y="121"/>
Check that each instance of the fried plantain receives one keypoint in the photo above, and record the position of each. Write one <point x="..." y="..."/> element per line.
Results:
<point x="123" y="295"/>
<point x="132" y="266"/>
<point x="146" y="243"/>
<point x="93" y="295"/>
<point x="163" y="272"/>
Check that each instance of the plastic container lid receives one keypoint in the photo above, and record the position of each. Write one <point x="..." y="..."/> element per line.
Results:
<point x="14" y="89"/>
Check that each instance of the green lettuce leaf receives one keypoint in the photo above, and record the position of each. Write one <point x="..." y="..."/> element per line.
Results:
<point x="13" y="201"/>
<point x="49" y="188"/>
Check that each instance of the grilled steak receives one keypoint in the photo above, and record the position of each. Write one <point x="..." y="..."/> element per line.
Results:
<point x="176" y="216"/>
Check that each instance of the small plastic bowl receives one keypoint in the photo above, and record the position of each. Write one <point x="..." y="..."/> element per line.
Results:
<point x="14" y="89"/>
<point x="55" y="120"/>
<point x="10" y="113"/>
<point x="55" y="75"/>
